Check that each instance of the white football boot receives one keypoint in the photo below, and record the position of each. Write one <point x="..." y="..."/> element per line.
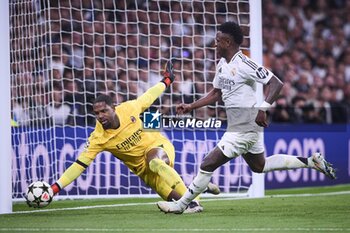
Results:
<point x="170" y="207"/>
<point x="213" y="189"/>
<point x="193" y="207"/>
<point x="322" y="165"/>
<point x="174" y="207"/>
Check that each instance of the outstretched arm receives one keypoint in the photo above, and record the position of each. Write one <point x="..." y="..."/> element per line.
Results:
<point x="74" y="170"/>
<point x="274" y="87"/>
<point x="147" y="98"/>
<point x="212" y="97"/>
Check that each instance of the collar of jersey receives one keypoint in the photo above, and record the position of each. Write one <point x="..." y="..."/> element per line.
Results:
<point x="236" y="54"/>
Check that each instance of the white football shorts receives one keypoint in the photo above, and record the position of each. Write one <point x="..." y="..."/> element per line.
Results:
<point x="234" y="144"/>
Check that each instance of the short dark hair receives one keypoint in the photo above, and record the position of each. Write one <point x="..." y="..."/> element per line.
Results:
<point x="104" y="98"/>
<point x="234" y="30"/>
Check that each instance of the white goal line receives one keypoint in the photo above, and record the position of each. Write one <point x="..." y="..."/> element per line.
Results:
<point x="287" y="229"/>
<point x="202" y="200"/>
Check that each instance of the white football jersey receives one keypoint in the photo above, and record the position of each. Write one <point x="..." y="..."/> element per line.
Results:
<point x="237" y="80"/>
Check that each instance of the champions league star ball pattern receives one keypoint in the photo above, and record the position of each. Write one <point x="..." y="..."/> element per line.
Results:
<point x="39" y="194"/>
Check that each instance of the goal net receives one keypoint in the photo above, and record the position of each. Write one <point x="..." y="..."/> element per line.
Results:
<point x="65" y="53"/>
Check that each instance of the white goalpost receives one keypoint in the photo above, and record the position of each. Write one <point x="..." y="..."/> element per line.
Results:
<point x="65" y="53"/>
<point x="5" y="122"/>
<point x="256" y="49"/>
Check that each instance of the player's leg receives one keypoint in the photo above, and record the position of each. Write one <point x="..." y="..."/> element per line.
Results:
<point x="228" y="148"/>
<point x="161" y="160"/>
<point x="231" y="145"/>
<point x="159" y="163"/>
<point x="160" y="186"/>
<point x="212" y="161"/>
<point x="258" y="163"/>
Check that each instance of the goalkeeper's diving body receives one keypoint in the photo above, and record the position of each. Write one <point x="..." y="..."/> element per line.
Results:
<point x="149" y="155"/>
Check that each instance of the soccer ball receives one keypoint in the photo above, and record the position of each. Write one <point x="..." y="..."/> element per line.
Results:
<point x="39" y="194"/>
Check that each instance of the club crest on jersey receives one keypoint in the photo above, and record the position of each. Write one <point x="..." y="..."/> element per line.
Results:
<point x="233" y="71"/>
<point x="87" y="144"/>
<point x="133" y="119"/>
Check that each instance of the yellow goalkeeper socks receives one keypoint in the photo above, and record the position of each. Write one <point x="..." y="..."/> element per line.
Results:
<point x="171" y="177"/>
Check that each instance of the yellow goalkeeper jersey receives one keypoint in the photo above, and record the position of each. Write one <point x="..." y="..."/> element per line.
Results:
<point x="130" y="142"/>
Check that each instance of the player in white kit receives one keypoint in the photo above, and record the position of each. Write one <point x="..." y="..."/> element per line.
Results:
<point x="235" y="83"/>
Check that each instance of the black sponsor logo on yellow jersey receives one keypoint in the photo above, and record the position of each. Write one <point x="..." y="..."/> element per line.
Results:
<point x="130" y="141"/>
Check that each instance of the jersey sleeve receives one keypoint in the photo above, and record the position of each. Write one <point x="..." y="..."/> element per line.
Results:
<point x="90" y="151"/>
<point x="84" y="160"/>
<point x="255" y="71"/>
<point x="146" y="99"/>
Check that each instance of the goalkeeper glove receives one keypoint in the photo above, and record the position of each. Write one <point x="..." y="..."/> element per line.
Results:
<point x="168" y="74"/>
<point x="55" y="188"/>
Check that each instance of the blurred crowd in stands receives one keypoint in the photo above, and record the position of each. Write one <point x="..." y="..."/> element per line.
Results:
<point x="306" y="44"/>
<point x="64" y="55"/>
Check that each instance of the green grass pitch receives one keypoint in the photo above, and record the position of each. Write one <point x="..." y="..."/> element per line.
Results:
<point x="321" y="209"/>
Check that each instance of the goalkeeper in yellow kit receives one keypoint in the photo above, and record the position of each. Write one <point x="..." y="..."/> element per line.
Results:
<point x="149" y="155"/>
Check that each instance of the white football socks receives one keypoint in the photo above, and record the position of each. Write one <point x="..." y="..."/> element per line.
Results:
<point x="198" y="185"/>
<point x="283" y="162"/>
